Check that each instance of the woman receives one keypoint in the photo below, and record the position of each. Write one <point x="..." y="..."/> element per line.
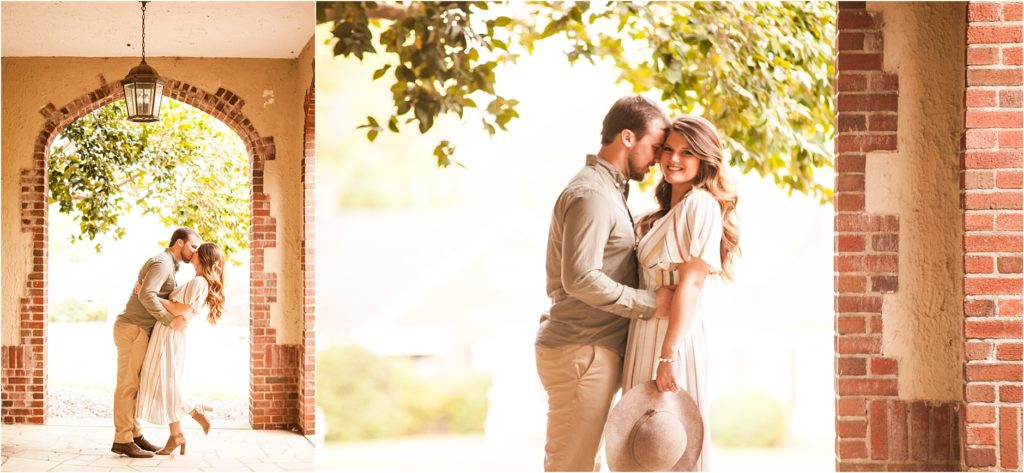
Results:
<point x="161" y="400"/>
<point x="692" y="235"/>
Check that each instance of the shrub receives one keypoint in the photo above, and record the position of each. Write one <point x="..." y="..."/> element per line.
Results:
<point x="366" y="397"/>
<point x="747" y="418"/>
<point x="77" y="310"/>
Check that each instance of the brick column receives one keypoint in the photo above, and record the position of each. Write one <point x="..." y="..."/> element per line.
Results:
<point x="875" y="429"/>
<point x="307" y="352"/>
<point x="991" y="185"/>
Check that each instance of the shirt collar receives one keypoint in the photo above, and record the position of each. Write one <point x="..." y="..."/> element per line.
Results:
<point x="177" y="262"/>
<point x="620" y="180"/>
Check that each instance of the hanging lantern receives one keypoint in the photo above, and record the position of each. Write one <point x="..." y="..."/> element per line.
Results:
<point x="143" y="88"/>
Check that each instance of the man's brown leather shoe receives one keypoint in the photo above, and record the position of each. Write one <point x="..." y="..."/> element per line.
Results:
<point x="131" y="450"/>
<point x="144" y="444"/>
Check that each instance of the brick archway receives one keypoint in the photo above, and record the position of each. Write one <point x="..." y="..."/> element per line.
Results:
<point x="273" y="367"/>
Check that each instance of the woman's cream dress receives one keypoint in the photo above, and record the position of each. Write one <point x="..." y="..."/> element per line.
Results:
<point x="161" y="400"/>
<point x="691" y="229"/>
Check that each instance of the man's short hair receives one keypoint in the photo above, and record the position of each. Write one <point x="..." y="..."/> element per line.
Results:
<point x="182" y="233"/>
<point x="633" y="113"/>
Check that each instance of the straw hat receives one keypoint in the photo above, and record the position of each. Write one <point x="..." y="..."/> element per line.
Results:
<point x="649" y="430"/>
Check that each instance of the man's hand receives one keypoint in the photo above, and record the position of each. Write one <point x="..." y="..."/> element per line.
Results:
<point x="179" y="323"/>
<point x="663" y="302"/>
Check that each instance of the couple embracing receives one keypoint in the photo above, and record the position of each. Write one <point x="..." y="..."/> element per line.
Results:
<point x="626" y="291"/>
<point x="150" y="340"/>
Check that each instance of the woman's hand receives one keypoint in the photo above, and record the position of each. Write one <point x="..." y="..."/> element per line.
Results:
<point x="663" y="302"/>
<point x="666" y="379"/>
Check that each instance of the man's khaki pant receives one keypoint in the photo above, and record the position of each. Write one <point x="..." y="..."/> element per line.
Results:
<point x="131" y="341"/>
<point x="581" y="381"/>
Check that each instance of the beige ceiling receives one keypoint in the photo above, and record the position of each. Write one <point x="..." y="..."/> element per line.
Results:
<point x="176" y="29"/>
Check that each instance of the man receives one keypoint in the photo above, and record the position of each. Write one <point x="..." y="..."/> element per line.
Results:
<point x="592" y="278"/>
<point x="131" y="336"/>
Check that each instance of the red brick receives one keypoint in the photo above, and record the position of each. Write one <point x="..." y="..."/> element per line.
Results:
<point x="981" y="457"/>
<point x="918" y="430"/>
<point x="854" y="20"/>
<point x="850" y="163"/>
<point x="987" y="328"/>
<point x="848" y="284"/>
<point x="883" y="82"/>
<point x="887" y="243"/>
<point x="987" y="243"/>
<point x="1013" y="221"/>
<point x="851" y="366"/>
<point x="848" y="345"/>
<point x="994" y="200"/>
<point x="852" y="428"/>
<point x="1010" y="139"/>
<point x="1009" y="264"/>
<point x="1008" y="180"/>
<point x="846" y="122"/>
<point x="883" y="366"/>
<point x="850" y="202"/>
<point x="877" y="387"/>
<point x="882" y="122"/>
<point x="993" y="77"/>
<point x="1010" y="393"/>
<point x="1009" y="308"/>
<point x="851" y="407"/>
<point x="868" y="103"/>
<point x="879" y="425"/>
<point x="978" y="221"/>
<point x="1011" y="11"/>
<point x="874" y="264"/>
<point x="847" y="82"/>
<point x="855" y="142"/>
<point x="900" y="434"/>
<point x="850" y="41"/>
<point x="994" y="372"/>
<point x="981" y="435"/>
<point x="849" y="183"/>
<point x="993" y="34"/>
<point x="977" y="11"/>
<point x="979" y="308"/>
<point x="850" y="449"/>
<point x="848" y="324"/>
<point x="1010" y="351"/>
<point x="852" y="5"/>
<point x="982" y="56"/>
<point x="977" y="350"/>
<point x="981" y="139"/>
<point x="983" y="286"/>
<point x="850" y="61"/>
<point x="981" y="98"/>
<point x="993" y="119"/>
<point x="1012" y="57"/>
<point x="884" y="284"/>
<point x="980" y="393"/>
<point x="979" y="264"/>
<point x="980" y="413"/>
<point x="1009" y="438"/>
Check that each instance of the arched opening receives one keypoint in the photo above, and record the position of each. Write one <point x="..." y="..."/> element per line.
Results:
<point x="188" y="169"/>
<point x="272" y="375"/>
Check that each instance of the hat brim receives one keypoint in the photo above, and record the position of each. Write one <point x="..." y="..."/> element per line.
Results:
<point x="632" y="406"/>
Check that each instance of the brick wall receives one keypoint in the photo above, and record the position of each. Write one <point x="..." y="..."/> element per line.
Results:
<point x="991" y="184"/>
<point x="273" y="367"/>
<point x="875" y="429"/>
<point x="307" y="352"/>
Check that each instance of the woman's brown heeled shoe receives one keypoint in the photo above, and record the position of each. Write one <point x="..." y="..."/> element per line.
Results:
<point x="199" y="414"/>
<point x="173" y="442"/>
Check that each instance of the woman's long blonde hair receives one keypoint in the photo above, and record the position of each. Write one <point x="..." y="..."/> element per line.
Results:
<point x="702" y="140"/>
<point x="211" y="259"/>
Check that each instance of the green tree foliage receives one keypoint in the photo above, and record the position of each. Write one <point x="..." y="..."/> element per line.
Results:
<point x="187" y="170"/>
<point x="762" y="72"/>
<point x="366" y="397"/>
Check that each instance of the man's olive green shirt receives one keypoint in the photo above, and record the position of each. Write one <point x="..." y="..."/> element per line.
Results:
<point x="157" y="278"/>
<point x="591" y="263"/>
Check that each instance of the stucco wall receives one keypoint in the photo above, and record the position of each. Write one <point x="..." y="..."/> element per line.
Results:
<point x="924" y="46"/>
<point x="273" y="91"/>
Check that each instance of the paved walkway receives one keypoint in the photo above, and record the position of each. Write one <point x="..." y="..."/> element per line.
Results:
<point x="76" y="445"/>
